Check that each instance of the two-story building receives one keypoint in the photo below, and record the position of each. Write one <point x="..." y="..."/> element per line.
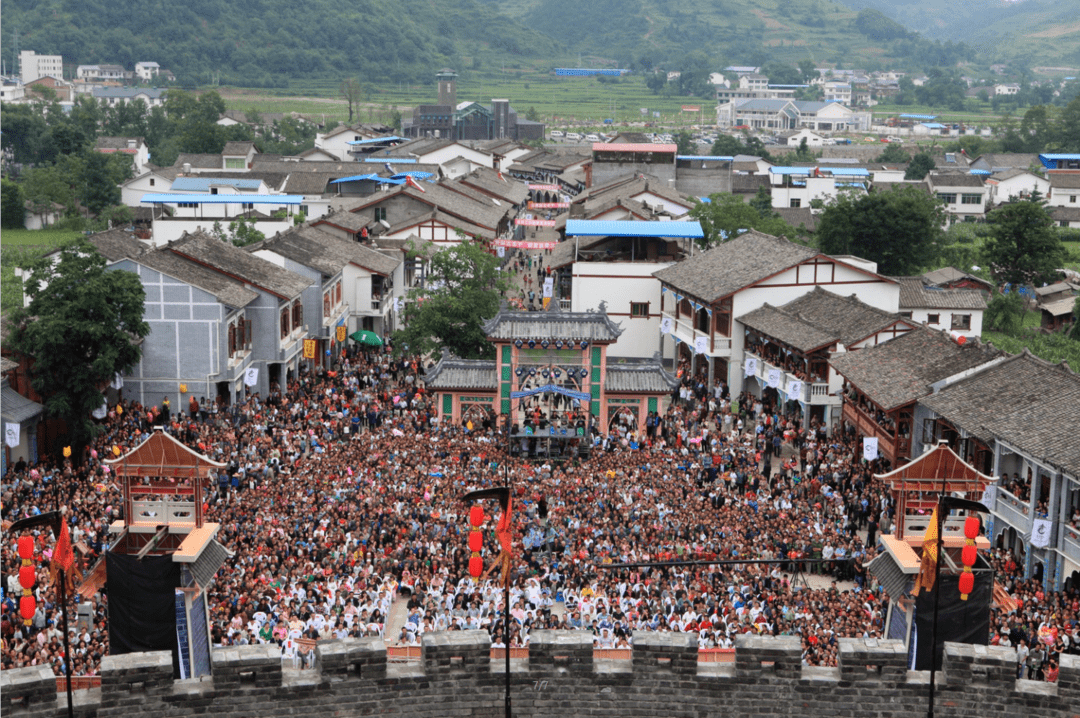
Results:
<point x="788" y="348"/>
<point x="959" y="311"/>
<point x="147" y="71"/>
<point x="704" y="295"/>
<point x="1016" y="419"/>
<point x="1063" y="198"/>
<point x="214" y="312"/>
<point x="135" y="147"/>
<point x="883" y="383"/>
<point x="965" y="196"/>
<point x="113" y="96"/>
<point x="100" y="73"/>
<point x="797" y="187"/>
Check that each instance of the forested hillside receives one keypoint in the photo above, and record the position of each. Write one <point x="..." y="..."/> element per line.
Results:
<point x="262" y="43"/>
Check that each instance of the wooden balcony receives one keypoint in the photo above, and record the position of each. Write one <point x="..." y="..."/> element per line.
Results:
<point x="891" y="447"/>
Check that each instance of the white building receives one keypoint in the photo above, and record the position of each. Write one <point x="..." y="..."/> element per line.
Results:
<point x="113" y="96"/>
<point x="135" y="147"/>
<point x="705" y="295"/>
<point x="100" y="73"/>
<point x="33" y="66"/>
<point x="1016" y="183"/>
<point x="147" y="71"/>
<point x="964" y="195"/>
<point x="797" y="187"/>
<point x="616" y="261"/>
<point x="813" y="139"/>
<point x="782" y="114"/>
<point x="1063" y="199"/>
<point x="1009" y="89"/>
<point x="12" y="91"/>
<point x="959" y="311"/>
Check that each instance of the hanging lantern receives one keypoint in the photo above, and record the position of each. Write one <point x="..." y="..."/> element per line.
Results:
<point x="27" y="576"/>
<point x="544" y="373"/>
<point x="532" y="371"/>
<point x="476" y="515"/>
<point x="971" y="527"/>
<point x="519" y="371"/>
<point x="968" y="554"/>
<point x="532" y="343"/>
<point x="476" y="541"/>
<point x="476" y="565"/>
<point x="27" y="608"/>
<point x="119" y="409"/>
<point x="518" y="343"/>
<point x="966" y="585"/>
<point x="558" y="343"/>
<point x="26" y="547"/>
<point x="67" y="452"/>
<point x="584" y="344"/>
<point x="557" y="373"/>
<point x="545" y="344"/>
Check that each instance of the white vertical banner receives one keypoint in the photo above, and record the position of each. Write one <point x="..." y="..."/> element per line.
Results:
<point x="117" y="382"/>
<point x="869" y="448"/>
<point x="501" y="251"/>
<point x="101" y="412"/>
<point x="251" y="376"/>
<point x="751" y="366"/>
<point x="399" y="304"/>
<point x="549" y="285"/>
<point x="11" y="434"/>
<point x="666" y="325"/>
<point x="701" y="345"/>
<point x="1040" y="533"/>
<point x="989" y="497"/>
<point x="794" y="388"/>
<point x="774" y="378"/>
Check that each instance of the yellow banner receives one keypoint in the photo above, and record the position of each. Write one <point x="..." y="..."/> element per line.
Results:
<point x="341" y="334"/>
<point x="310" y="347"/>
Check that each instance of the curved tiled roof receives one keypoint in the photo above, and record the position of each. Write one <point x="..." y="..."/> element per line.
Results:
<point x="643" y="377"/>
<point x="592" y="326"/>
<point x="452" y="372"/>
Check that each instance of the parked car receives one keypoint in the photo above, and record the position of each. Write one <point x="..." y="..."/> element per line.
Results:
<point x="592" y="138"/>
<point x="573" y="136"/>
<point x="557" y="135"/>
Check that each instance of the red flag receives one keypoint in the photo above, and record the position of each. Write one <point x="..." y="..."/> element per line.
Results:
<point x="63" y="558"/>
<point x="409" y="180"/>
<point x="501" y="177"/>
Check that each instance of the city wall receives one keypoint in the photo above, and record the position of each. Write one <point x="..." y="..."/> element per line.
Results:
<point x="560" y="678"/>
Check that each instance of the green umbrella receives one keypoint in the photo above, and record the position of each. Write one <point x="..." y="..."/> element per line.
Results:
<point x="365" y="337"/>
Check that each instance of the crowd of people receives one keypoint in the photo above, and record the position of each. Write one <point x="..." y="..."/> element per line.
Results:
<point x="342" y="495"/>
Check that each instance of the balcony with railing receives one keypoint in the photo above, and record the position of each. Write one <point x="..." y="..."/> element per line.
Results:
<point x="1012" y="510"/>
<point x="685" y="330"/>
<point x="1069" y="543"/>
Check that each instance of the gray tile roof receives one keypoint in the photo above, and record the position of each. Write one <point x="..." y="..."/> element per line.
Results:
<point x="345" y="220"/>
<point x="312" y="247"/>
<point x="209" y="561"/>
<point x="1059" y="307"/>
<point x="452" y="372"/>
<point x="228" y="291"/>
<point x="727" y="268"/>
<point x="117" y="244"/>
<point x="847" y="318"/>
<point x="237" y="148"/>
<point x="486" y="180"/>
<point x="890" y="575"/>
<point x="917" y="293"/>
<point x="901" y="370"/>
<point x="199" y="161"/>
<point x="798" y="216"/>
<point x="16" y="408"/>
<point x="1069" y="214"/>
<point x="955" y="179"/>
<point x="591" y="326"/>
<point x="1061" y="180"/>
<point x="952" y="274"/>
<point x="1027" y="402"/>
<point x="116" y="143"/>
<point x="788" y="328"/>
<point x="646" y="376"/>
<point x="224" y="257"/>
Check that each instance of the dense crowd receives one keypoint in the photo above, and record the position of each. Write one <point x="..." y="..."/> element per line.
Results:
<point x="342" y="493"/>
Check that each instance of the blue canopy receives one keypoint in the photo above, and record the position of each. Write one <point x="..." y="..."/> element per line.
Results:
<point x="579" y="395"/>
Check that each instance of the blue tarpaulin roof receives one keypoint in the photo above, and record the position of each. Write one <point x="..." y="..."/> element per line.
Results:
<point x="979" y="172"/>
<point x="624" y="228"/>
<point x="373" y="140"/>
<point x="358" y="178"/>
<point x="1050" y="160"/>
<point x="918" y="117"/>
<point x="933" y="125"/>
<point x="414" y="175"/>
<point x="224" y="198"/>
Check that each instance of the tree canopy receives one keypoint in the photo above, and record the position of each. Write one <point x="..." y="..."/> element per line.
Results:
<point x="920" y="166"/>
<point x="81" y="328"/>
<point x="900" y="229"/>
<point x="726" y="216"/>
<point x="463" y="287"/>
<point x="1023" y="246"/>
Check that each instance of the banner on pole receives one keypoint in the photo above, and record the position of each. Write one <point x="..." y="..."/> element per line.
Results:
<point x="549" y="285"/>
<point x="534" y="222"/>
<point x="251" y="375"/>
<point x="515" y="244"/>
<point x="341" y="334"/>
<point x="545" y="187"/>
<point x="774" y="378"/>
<point x="1040" y="533"/>
<point x="549" y="205"/>
<point x="795" y="387"/>
<point x="751" y="366"/>
<point x="667" y="324"/>
<point x="701" y="345"/>
<point x="310" y="347"/>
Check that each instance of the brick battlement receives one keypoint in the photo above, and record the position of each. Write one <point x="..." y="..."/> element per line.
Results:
<point x="456" y="677"/>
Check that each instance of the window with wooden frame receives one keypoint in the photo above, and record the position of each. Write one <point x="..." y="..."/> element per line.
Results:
<point x="297" y="315"/>
<point x="232" y="340"/>
<point x="337" y="294"/>
<point x="247" y="334"/>
<point x="326" y="305"/>
<point x="928" y="431"/>
<point x="961" y="321"/>
<point x="286" y="327"/>
<point x="639" y="310"/>
<point x="933" y="318"/>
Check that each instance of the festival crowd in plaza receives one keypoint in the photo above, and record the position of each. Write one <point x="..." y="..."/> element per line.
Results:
<point x="343" y="492"/>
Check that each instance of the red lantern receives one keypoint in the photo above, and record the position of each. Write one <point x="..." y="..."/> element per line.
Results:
<point x="969" y="554"/>
<point x="476" y="515"/>
<point x="27" y="576"/>
<point x="476" y="565"/>
<point x="967" y="584"/>
<point x="971" y="527"/>
<point x="26" y="547"/>
<point x="476" y="541"/>
<point x="27" y="607"/>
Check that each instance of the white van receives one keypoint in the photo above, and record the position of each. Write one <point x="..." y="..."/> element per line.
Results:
<point x="592" y="138"/>
<point x="573" y="136"/>
<point x="556" y="134"/>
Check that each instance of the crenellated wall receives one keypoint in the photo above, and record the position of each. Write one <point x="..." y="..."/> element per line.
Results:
<point x="560" y="679"/>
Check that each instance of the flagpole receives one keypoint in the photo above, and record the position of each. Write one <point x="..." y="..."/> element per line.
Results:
<point x="937" y="593"/>
<point x="67" y="645"/>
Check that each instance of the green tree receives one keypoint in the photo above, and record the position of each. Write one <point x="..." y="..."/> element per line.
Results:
<point x="920" y="166"/>
<point x="43" y="186"/>
<point x="894" y="153"/>
<point x="900" y="229"/>
<point x="726" y="216"/>
<point x="1023" y="247"/>
<point x="352" y="91"/>
<point x="82" y="326"/>
<point x="804" y="153"/>
<point x="807" y="70"/>
<point x="684" y="143"/>
<point x="1005" y="313"/>
<point x="656" y="81"/>
<point x="12" y="205"/>
<point x="463" y="289"/>
<point x="1074" y="330"/>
